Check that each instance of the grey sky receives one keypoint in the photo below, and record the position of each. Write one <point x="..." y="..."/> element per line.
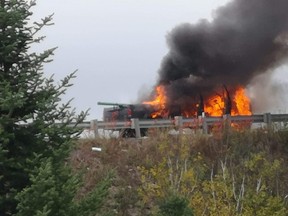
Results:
<point x="117" y="45"/>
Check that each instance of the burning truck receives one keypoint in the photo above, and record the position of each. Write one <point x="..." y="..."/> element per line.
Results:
<point x="209" y="64"/>
<point x="159" y="108"/>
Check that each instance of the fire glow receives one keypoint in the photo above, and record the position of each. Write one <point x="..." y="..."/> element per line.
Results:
<point x="232" y="49"/>
<point x="213" y="105"/>
<point x="159" y="103"/>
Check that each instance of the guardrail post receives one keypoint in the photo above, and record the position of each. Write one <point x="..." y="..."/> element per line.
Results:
<point x="135" y="125"/>
<point x="205" y="125"/>
<point x="227" y="122"/>
<point x="202" y="123"/>
<point x="267" y="119"/>
<point x="179" y="123"/>
<point x="94" y="127"/>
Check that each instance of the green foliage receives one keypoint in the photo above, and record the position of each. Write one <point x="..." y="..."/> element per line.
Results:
<point x="175" y="206"/>
<point x="93" y="201"/>
<point x="48" y="193"/>
<point x="37" y="130"/>
<point x="53" y="190"/>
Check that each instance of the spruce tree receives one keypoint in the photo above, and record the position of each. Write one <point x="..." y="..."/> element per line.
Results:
<point x="37" y="130"/>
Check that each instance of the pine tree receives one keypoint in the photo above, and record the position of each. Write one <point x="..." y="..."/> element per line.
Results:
<point x="174" y="205"/>
<point x="53" y="190"/>
<point x="36" y="135"/>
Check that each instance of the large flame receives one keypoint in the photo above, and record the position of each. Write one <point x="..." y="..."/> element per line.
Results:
<point x="242" y="103"/>
<point x="159" y="103"/>
<point x="213" y="106"/>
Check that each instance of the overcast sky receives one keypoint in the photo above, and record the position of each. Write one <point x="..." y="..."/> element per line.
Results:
<point x="116" y="45"/>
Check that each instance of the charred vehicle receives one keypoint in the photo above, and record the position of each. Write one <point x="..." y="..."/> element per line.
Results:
<point x="117" y="112"/>
<point x="125" y="112"/>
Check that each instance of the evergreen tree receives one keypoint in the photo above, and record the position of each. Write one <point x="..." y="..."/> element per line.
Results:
<point x="35" y="126"/>
<point x="53" y="190"/>
<point x="174" y="205"/>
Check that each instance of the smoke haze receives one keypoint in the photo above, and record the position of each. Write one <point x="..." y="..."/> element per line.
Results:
<point x="268" y="94"/>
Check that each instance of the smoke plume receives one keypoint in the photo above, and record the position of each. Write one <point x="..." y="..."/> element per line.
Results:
<point x="246" y="38"/>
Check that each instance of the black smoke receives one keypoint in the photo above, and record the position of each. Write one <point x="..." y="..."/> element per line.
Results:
<point x="245" y="38"/>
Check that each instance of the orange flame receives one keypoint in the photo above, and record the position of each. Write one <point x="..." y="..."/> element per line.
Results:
<point x="213" y="106"/>
<point x="159" y="103"/>
<point x="242" y="103"/>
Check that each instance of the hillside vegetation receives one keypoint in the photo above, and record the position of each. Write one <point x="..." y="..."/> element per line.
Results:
<point x="229" y="172"/>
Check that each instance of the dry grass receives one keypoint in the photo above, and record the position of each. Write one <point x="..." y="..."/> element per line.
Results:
<point x="124" y="156"/>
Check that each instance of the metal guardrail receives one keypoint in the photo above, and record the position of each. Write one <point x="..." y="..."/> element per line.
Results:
<point x="181" y="122"/>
